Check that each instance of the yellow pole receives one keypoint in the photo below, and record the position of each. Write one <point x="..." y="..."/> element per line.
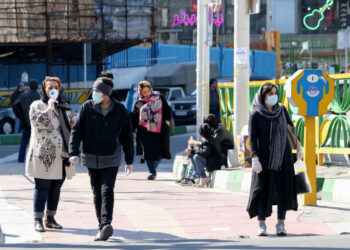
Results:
<point x="310" y="159"/>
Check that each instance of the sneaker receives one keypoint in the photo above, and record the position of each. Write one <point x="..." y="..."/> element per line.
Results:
<point x="106" y="232"/>
<point x="261" y="229"/>
<point x="187" y="182"/>
<point x="280" y="230"/>
<point x="196" y="182"/>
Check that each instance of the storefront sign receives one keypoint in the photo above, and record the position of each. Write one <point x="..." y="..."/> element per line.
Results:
<point x="343" y="13"/>
<point x="313" y="20"/>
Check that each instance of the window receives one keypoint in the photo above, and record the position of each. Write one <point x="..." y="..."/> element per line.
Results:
<point x="176" y="94"/>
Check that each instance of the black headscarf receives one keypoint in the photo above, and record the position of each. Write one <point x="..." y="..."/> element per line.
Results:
<point x="278" y="129"/>
<point x="62" y="107"/>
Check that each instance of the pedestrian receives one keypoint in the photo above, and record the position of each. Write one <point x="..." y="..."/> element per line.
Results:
<point x="206" y="157"/>
<point x="26" y="99"/>
<point x="47" y="157"/>
<point x="17" y="93"/>
<point x="151" y="118"/>
<point x="348" y="69"/>
<point x="16" y="107"/>
<point x="214" y="99"/>
<point x="103" y="126"/>
<point x="272" y="163"/>
<point x="221" y="135"/>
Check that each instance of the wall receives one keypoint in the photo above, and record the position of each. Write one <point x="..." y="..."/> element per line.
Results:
<point x="10" y="74"/>
<point x="264" y="65"/>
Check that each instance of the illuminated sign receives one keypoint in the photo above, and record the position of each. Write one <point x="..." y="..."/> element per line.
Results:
<point x="193" y="6"/>
<point x="313" y="20"/>
<point x="192" y="19"/>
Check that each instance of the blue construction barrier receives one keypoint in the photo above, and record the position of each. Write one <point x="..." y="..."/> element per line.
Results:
<point x="262" y="63"/>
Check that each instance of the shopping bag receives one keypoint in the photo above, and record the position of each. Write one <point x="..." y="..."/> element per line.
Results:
<point x="302" y="182"/>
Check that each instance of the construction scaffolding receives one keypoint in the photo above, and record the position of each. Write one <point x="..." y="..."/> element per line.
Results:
<point x="54" y="31"/>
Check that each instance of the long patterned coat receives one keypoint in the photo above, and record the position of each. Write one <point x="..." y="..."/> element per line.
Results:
<point x="44" y="158"/>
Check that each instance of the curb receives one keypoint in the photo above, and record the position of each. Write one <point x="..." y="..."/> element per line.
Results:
<point x="179" y="130"/>
<point x="13" y="139"/>
<point x="238" y="180"/>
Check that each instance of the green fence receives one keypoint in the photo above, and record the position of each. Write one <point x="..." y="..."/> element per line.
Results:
<point x="332" y="130"/>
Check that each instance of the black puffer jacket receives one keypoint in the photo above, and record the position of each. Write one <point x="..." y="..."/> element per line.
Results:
<point x="209" y="149"/>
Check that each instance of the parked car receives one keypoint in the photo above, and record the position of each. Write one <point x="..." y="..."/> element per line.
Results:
<point x="171" y="93"/>
<point x="184" y="109"/>
<point x="7" y="121"/>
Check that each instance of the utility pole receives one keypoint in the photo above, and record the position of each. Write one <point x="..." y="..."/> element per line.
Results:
<point x="199" y="68"/>
<point x="241" y="68"/>
<point x="204" y="42"/>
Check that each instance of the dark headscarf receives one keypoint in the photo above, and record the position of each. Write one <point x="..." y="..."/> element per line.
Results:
<point x="278" y="129"/>
<point x="63" y="107"/>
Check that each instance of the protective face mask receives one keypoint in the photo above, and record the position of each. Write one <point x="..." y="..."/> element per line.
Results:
<point x="53" y="94"/>
<point x="97" y="97"/>
<point x="272" y="100"/>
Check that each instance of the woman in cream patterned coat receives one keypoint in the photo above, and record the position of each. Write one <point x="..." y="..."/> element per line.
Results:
<point x="47" y="159"/>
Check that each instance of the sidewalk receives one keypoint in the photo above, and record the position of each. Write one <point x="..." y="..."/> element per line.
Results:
<point x="151" y="210"/>
<point x="333" y="182"/>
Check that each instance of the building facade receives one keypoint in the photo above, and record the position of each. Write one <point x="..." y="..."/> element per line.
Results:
<point x="308" y="29"/>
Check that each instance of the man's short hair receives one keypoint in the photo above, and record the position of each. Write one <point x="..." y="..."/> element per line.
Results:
<point x="107" y="73"/>
<point x="211" y="120"/>
<point x="213" y="80"/>
<point x="33" y="84"/>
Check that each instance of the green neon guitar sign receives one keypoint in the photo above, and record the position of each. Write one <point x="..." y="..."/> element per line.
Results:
<point x="313" y="20"/>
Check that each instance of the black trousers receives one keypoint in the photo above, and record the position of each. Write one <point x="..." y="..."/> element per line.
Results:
<point x="102" y="183"/>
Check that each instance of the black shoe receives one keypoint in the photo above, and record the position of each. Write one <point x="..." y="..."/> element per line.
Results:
<point x="38" y="225"/>
<point x="106" y="232"/>
<point x="152" y="177"/>
<point x="50" y="222"/>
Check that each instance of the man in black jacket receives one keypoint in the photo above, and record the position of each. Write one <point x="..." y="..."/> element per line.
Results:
<point x="26" y="99"/>
<point x="103" y="127"/>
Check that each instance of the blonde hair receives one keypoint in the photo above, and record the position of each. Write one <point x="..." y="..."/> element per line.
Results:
<point x="142" y="85"/>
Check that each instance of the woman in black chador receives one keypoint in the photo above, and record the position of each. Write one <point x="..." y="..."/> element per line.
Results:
<point x="272" y="162"/>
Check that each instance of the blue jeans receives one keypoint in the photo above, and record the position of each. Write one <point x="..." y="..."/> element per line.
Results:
<point x="17" y="126"/>
<point x="152" y="166"/>
<point x="192" y="173"/>
<point x="199" y="162"/>
<point x="24" y="143"/>
<point x="47" y="192"/>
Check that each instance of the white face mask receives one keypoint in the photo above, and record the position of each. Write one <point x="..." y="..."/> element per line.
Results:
<point x="53" y="94"/>
<point x="272" y="100"/>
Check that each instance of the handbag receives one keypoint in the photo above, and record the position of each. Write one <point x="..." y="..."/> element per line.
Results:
<point x="302" y="182"/>
<point x="293" y="137"/>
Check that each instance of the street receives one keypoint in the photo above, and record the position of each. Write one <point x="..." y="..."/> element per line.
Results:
<point x="160" y="215"/>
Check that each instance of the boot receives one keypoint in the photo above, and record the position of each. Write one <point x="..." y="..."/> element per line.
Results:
<point x="50" y="222"/>
<point x="38" y="225"/>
